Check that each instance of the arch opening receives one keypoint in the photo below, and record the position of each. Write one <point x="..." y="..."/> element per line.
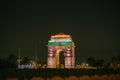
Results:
<point x="60" y="62"/>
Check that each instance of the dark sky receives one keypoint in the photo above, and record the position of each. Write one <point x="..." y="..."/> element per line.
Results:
<point x="93" y="25"/>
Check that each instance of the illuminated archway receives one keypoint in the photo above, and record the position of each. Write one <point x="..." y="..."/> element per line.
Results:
<point x="57" y="57"/>
<point x="58" y="43"/>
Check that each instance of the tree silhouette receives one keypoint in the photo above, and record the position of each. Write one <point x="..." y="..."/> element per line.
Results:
<point x="11" y="61"/>
<point x="26" y="60"/>
<point x="91" y="61"/>
<point x="114" y="62"/>
<point x="100" y="63"/>
<point x="2" y="64"/>
<point x="95" y="63"/>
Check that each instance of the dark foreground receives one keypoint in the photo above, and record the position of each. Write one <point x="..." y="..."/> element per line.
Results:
<point x="31" y="74"/>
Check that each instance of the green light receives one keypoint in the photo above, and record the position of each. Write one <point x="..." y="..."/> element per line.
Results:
<point x="59" y="43"/>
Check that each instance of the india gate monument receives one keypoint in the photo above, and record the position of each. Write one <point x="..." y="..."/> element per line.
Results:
<point x="56" y="44"/>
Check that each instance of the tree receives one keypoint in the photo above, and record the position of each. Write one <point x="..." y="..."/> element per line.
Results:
<point x="11" y="61"/>
<point x="114" y="62"/>
<point x="2" y="64"/>
<point x="100" y="63"/>
<point x="118" y="57"/>
<point x="26" y="60"/>
<point x="95" y="63"/>
<point x="91" y="61"/>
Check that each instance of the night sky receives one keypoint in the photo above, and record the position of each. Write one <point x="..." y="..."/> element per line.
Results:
<point x="93" y="25"/>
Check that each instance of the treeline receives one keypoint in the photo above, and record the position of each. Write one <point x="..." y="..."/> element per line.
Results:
<point x="100" y="63"/>
<point x="8" y="62"/>
<point x="85" y="77"/>
<point x="49" y="73"/>
<point x="12" y="62"/>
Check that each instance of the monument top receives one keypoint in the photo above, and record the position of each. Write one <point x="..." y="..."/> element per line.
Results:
<point x="61" y="35"/>
<point x="60" y="39"/>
